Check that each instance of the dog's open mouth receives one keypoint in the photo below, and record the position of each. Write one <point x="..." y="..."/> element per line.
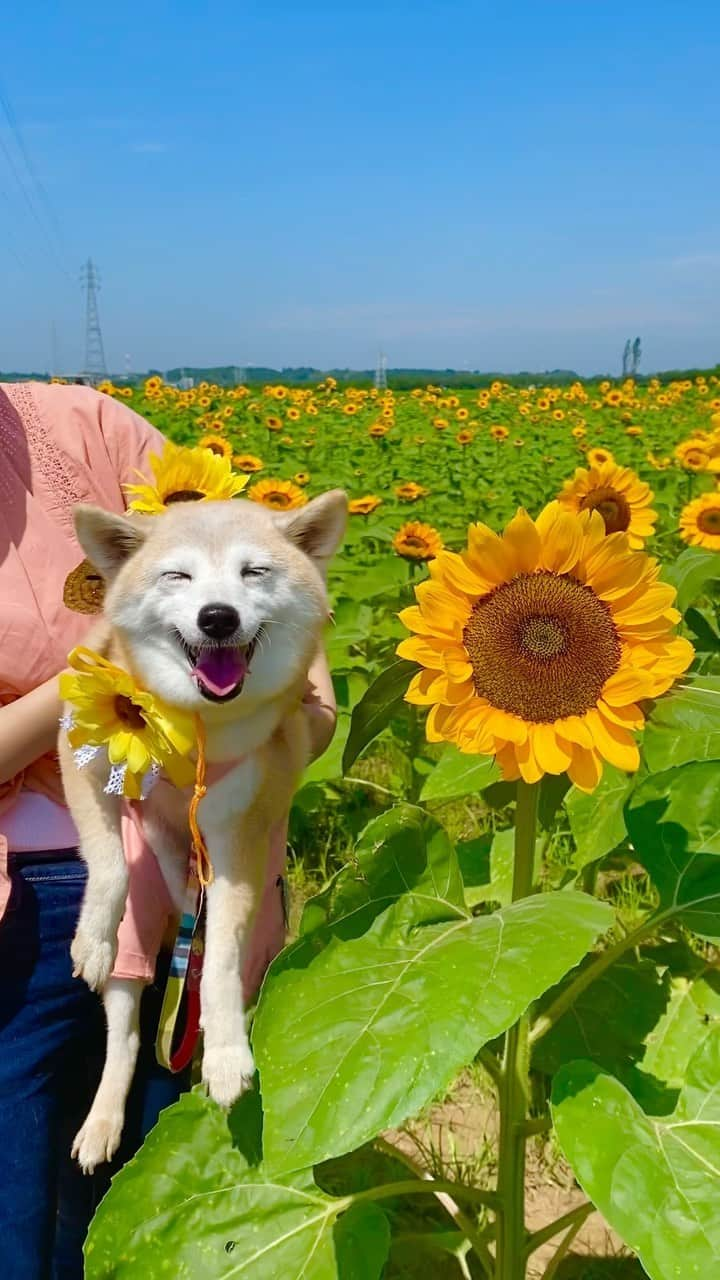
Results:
<point x="219" y="671"/>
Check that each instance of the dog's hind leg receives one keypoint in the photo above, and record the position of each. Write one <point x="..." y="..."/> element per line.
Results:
<point x="239" y="862"/>
<point x="99" y="1137"/>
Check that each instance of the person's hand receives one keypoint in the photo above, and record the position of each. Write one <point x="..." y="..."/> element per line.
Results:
<point x="321" y="721"/>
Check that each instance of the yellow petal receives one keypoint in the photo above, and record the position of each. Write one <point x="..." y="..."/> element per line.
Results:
<point x="585" y="769"/>
<point x="523" y="541"/>
<point x="118" y="747"/>
<point x="627" y="685"/>
<point x="505" y="725"/>
<point x="487" y="554"/>
<point x="452" y="569"/>
<point x="424" y="650"/>
<point x="628" y="717"/>
<point x="563" y="544"/>
<point x="507" y="760"/>
<point x="616" y="745"/>
<point x="417" y="690"/>
<point x="528" y="765"/>
<point x="138" y="756"/>
<point x="550" y="755"/>
<point x="651" y="603"/>
<point x="573" y="729"/>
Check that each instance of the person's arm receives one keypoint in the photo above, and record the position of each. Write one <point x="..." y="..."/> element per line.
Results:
<point x="29" y="728"/>
<point x="319" y="704"/>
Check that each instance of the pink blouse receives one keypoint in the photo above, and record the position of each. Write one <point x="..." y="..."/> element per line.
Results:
<point x="60" y="445"/>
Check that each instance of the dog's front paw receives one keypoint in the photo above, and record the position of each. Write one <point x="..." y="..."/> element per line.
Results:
<point x="228" y="1072"/>
<point x="97" y="1141"/>
<point x="93" y="959"/>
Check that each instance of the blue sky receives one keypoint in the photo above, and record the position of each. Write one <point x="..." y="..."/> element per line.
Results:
<point x="495" y="186"/>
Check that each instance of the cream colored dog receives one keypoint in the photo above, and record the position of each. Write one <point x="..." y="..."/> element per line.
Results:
<point x="217" y="608"/>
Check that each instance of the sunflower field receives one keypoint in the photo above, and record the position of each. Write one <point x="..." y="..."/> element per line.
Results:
<point x="508" y="861"/>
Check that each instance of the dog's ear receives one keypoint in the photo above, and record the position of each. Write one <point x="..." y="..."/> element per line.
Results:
<point x="107" y="540"/>
<point x="318" y="528"/>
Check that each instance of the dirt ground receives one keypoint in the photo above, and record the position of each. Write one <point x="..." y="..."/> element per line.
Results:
<point x="457" y="1139"/>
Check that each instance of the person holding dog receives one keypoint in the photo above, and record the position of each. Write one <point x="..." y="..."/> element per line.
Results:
<point x="59" y="446"/>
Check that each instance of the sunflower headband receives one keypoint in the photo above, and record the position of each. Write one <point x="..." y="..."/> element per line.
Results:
<point x="180" y="474"/>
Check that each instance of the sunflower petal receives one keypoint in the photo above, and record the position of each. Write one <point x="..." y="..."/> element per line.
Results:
<point x="522" y="540"/>
<point x="615" y="744"/>
<point x="551" y="756"/>
<point x="585" y="769"/>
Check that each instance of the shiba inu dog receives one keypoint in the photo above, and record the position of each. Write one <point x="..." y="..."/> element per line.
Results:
<point x="216" y="608"/>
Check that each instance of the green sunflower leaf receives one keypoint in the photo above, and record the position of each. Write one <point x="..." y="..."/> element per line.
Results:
<point x="654" y="1179"/>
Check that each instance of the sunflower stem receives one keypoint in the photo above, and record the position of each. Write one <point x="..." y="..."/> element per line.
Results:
<point x="514" y="1081"/>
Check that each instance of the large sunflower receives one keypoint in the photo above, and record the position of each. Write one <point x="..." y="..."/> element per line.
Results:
<point x="537" y="646"/>
<point x="700" y="522"/>
<point x="281" y="495"/>
<point x="138" y="729"/>
<point x="185" y="475"/>
<point x="621" y="498"/>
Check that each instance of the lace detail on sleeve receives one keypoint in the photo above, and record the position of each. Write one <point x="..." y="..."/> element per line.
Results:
<point x="47" y="459"/>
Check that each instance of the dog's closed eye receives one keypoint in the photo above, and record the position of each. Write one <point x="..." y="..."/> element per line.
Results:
<point x="176" y="575"/>
<point x="254" y="570"/>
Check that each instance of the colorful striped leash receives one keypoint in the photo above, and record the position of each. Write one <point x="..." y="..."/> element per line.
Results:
<point x="187" y="957"/>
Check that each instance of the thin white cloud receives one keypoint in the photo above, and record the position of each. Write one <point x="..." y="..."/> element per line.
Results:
<point x="692" y="261"/>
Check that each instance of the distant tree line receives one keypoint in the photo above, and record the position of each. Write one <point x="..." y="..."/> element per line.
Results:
<point x="398" y="379"/>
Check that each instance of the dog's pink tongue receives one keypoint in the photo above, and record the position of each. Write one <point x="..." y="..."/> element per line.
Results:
<point x="220" y="670"/>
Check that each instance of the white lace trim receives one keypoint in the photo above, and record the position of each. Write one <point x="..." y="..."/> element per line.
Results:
<point x="83" y="755"/>
<point x="115" y="785"/>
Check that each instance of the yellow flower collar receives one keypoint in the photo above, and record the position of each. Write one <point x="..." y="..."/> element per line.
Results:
<point x="143" y="735"/>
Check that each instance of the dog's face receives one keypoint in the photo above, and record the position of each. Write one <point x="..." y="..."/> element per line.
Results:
<point x="213" y="600"/>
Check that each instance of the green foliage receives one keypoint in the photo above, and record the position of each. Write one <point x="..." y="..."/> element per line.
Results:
<point x="690" y="574"/>
<point x="596" y="819"/>
<point x="676" y="812"/>
<point x="381" y="701"/>
<point x="653" y="1178"/>
<point x="684" y="726"/>
<point x="330" y="1082"/>
<point x="457" y="775"/>
<point x="609" y="1021"/>
<point x="199" y="1194"/>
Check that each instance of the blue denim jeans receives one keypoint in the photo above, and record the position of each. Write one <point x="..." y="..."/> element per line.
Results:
<point x="52" y="1037"/>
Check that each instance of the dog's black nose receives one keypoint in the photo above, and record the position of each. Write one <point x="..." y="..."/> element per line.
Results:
<point x="218" y="621"/>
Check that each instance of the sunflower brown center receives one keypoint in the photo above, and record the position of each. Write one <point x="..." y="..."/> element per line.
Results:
<point x="541" y="646"/>
<point x="184" y="495"/>
<point x="128" y="712"/>
<point x="280" y="500"/>
<point x="612" y="506"/>
<point x="709" y="521"/>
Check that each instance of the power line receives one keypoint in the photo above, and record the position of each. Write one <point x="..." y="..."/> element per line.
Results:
<point x="51" y="242"/>
<point x="36" y="181"/>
